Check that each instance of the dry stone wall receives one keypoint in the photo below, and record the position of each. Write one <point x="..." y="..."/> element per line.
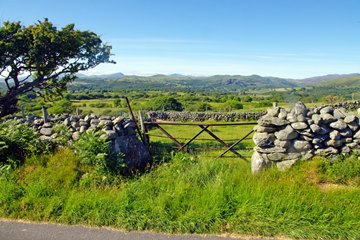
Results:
<point x="204" y="116"/>
<point x="284" y="137"/>
<point x="228" y="117"/>
<point x="119" y="131"/>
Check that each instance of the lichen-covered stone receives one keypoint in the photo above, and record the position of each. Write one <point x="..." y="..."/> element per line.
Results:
<point x="263" y="139"/>
<point x="339" y="125"/>
<point x="350" y="118"/>
<point x="258" y="162"/>
<point x="284" y="165"/>
<point x="299" y="125"/>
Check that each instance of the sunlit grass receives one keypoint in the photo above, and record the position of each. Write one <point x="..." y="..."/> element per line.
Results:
<point x="187" y="194"/>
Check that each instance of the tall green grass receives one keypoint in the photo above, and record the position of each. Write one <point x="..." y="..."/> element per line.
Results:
<point x="184" y="195"/>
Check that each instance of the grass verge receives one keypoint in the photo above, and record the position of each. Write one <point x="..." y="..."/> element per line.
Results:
<point x="185" y="195"/>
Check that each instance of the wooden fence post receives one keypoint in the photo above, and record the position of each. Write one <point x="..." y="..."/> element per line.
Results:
<point x="45" y="113"/>
<point x="144" y="129"/>
<point x="23" y="112"/>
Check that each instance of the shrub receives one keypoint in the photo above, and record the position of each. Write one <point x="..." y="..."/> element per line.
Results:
<point x="202" y="107"/>
<point x="62" y="106"/>
<point x="234" y="104"/>
<point x="63" y="135"/>
<point x="19" y="140"/>
<point x="94" y="151"/>
<point x="165" y="104"/>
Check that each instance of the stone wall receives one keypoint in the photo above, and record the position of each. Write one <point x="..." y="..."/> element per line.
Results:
<point x="227" y="117"/>
<point x="204" y="116"/>
<point x="119" y="131"/>
<point x="284" y="137"/>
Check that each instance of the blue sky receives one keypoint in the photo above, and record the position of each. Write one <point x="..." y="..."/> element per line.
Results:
<point x="284" y="38"/>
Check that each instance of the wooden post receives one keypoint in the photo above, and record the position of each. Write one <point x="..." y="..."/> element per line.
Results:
<point x="23" y="112"/>
<point x="45" y="113"/>
<point x="144" y="129"/>
<point x="77" y="111"/>
<point x="275" y="104"/>
<point x="141" y="121"/>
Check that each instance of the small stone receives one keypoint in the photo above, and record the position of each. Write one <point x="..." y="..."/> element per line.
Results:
<point x="67" y="122"/>
<point x="281" y="144"/>
<point x="300" y="118"/>
<point x="284" y="165"/>
<point x="287" y="133"/>
<point x="282" y="114"/>
<point x="348" y="140"/>
<point x="270" y="150"/>
<point x="87" y="118"/>
<point x="276" y="156"/>
<point x="83" y="129"/>
<point x="299" y="125"/>
<point x="327" y="110"/>
<point x="335" y="135"/>
<point x="46" y="131"/>
<point x="328" y="118"/>
<point x="335" y="143"/>
<point x="259" y="128"/>
<point x="339" y="113"/>
<point x="291" y="118"/>
<point x="339" y="125"/>
<point x="316" y="118"/>
<point x="271" y="121"/>
<point x="327" y="151"/>
<point x="75" y="136"/>
<point x="320" y="139"/>
<point x="273" y="112"/>
<point x="301" y="145"/>
<point x="350" y="118"/>
<point x="258" y="162"/>
<point x="118" y="120"/>
<point x="300" y="109"/>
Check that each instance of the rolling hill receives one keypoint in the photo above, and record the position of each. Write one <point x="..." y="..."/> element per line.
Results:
<point x="347" y="82"/>
<point x="190" y="83"/>
<point x="325" y="78"/>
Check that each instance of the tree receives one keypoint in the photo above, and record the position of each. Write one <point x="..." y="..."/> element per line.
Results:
<point x="165" y="104"/>
<point x="41" y="58"/>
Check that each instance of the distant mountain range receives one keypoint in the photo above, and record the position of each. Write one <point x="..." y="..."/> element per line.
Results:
<point x="221" y="83"/>
<point x="325" y="78"/>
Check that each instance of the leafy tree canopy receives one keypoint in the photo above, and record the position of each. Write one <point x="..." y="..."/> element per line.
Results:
<point x="165" y="103"/>
<point x="41" y="58"/>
